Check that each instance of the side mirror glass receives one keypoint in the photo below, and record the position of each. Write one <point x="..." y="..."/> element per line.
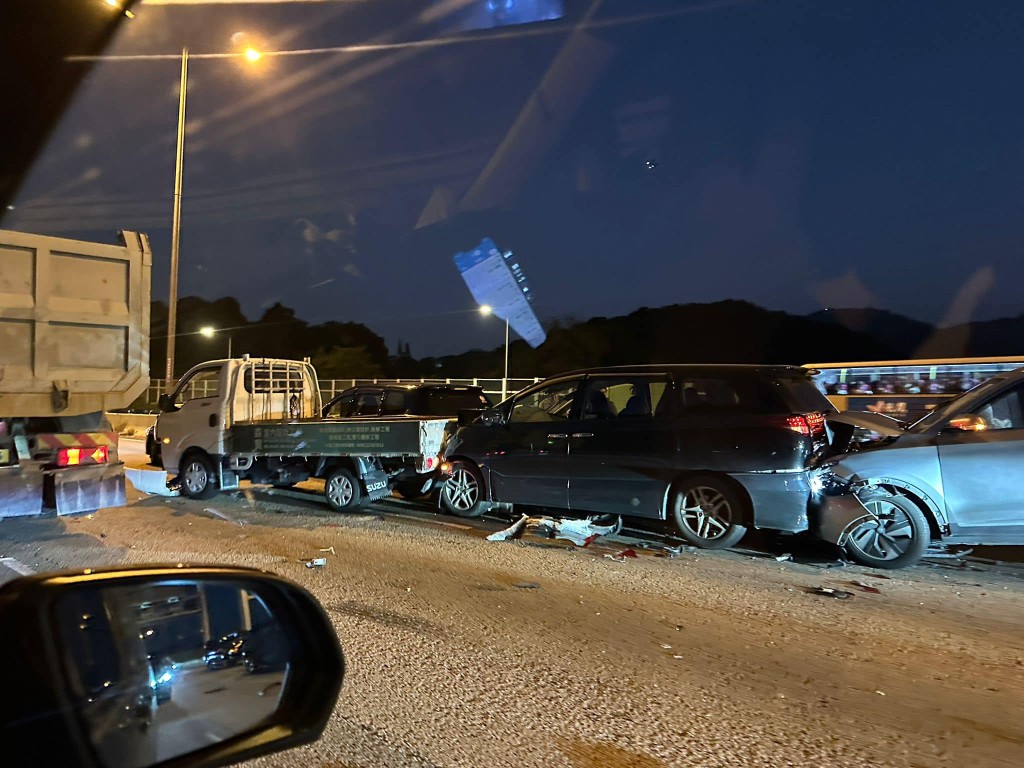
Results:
<point x="165" y="665"/>
<point x="166" y="403"/>
<point x="492" y="416"/>
<point x="967" y="422"/>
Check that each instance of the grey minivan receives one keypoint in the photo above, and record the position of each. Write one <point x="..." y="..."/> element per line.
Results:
<point x="956" y="476"/>
<point x="714" y="449"/>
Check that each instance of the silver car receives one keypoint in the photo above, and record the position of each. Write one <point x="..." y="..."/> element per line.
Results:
<point x="955" y="476"/>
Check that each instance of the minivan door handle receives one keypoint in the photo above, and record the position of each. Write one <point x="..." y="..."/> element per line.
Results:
<point x="582" y="434"/>
<point x="213" y="419"/>
<point x="558" y="437"/>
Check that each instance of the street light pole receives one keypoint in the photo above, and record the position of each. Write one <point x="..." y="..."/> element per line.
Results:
<point x="504" y="381"/>
<point x="172" y="303"/>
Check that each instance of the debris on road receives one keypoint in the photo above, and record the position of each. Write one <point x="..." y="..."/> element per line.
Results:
<point x="317" y="562"/>
<point x="526" y="585"/>
<point x="783" y="558"/>
<point x="838" y="594"/>
<point x="621" y="557"/>
<point x="222" y="515"/>
<point x="514" y="531"/>
<point x="153" y="482"/>
<point x="580" y="532"/>
<point x="329" y="549"/>
<point x="865" y="587"/>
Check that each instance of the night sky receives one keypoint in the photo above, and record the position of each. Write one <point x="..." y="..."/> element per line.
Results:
<point x="799" y="154"/>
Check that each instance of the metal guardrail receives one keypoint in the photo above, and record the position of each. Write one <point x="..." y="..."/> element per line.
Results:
<point x="330" y="387"/>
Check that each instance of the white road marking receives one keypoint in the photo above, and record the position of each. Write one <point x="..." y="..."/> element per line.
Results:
<point x="16" y="566"/>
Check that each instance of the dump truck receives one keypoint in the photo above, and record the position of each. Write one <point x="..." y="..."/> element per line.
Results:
<point x="74" y="343"/>
<point x="260" y="419"/>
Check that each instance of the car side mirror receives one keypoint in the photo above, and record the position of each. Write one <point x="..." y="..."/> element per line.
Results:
<point x="469" y="415"/>
<point x="139" y="666"/>
<point x="492" y="416"/>
<point x="166" y="403"/>
<point x="967" y="422"/>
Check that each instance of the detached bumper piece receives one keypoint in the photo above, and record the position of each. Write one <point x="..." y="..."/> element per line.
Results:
<point x="85" y="488"/>
<point x="838" y="515"/>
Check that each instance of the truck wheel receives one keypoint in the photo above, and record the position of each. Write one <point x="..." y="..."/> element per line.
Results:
<point x="198" y="476"/>
<point x="463" y="491"/>
<point x="896" y="539"/>
<point x="708" y="512"/>
<point x="341" y="488"/>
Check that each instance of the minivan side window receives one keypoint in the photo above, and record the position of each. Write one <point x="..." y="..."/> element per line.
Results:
<point x="625" y="397"/>
<point x="550" y="403"/>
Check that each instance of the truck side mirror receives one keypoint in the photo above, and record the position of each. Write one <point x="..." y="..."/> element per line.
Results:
<point x="166" y="403"/>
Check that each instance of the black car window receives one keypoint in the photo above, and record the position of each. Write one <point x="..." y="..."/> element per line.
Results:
<point x="548" y="403"/>
<point x="448" y="402"/>
<point x="740" y="393"/>
<point x="343" y="405"/>
<point x="1005" y="411"/>
<point x="394" y="403"/>
<point x="624" y="397"/>
<point x="368" y="403"/>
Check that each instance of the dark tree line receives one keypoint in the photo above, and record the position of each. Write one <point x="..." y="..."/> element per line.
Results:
<point x="725" y="332"/>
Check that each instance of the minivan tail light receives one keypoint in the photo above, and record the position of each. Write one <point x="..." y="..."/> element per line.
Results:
<point x="807" y="424"/>
<point x="799" y="424"/>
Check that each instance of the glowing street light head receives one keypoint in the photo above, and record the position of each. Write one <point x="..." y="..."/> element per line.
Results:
<point x="252" y="54"/>
<point x="486" y="309"/>
<point x="208" y="331"/>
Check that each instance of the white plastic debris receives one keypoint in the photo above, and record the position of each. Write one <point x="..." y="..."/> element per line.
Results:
<point x="150" y="481"/>
<point x="582" y="532"/>
<point x="514" y="531"/>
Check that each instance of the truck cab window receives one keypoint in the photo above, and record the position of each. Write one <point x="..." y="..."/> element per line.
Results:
<point x="202" y="383"/>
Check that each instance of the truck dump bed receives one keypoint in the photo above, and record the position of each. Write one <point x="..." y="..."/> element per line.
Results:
<point x="74" y="324"/>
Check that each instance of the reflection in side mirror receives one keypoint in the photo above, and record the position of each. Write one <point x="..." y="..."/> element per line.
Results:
<point x="176" y="662"/>
<point x="166" y="403"/>
<point x="492" y="416"/>
<point x="967" y="422"/>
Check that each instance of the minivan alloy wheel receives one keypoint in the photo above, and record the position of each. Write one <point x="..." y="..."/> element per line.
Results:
<point x="462" y="489"/>
<point x="706" y="512"/>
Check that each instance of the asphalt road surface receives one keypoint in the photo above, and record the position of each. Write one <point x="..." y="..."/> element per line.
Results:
<point x="464" y="652"/>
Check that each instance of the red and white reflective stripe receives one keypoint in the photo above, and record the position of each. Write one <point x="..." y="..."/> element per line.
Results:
<point x="76" y="440"/>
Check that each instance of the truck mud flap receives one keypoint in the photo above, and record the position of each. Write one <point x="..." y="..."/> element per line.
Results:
<point x="22" y="491"/>
<point x="84" y="489"/>
<point x="377" y="485"/>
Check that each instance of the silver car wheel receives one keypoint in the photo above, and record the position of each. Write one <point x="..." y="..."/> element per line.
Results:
<point x="462" y="490"/>
<point x="886" y="537"/>
<point x="196" y="477"/>
<point x="706" y="513"/>
<point x="340" y="490"/>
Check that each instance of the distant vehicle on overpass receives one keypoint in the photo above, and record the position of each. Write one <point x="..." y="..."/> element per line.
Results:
<point x="905" y="389"/>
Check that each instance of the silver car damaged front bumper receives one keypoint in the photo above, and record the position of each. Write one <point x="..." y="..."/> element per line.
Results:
<point x="839" y="515"/>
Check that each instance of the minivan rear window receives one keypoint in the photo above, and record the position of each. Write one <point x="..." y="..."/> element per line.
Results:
<point x="730" y="392"/>
<point x="803" y="396"/>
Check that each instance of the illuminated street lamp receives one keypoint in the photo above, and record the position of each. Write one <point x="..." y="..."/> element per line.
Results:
<point x="487" y="310"/>
<point x="252" y="55"/>
<point x="208" y="331"/>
